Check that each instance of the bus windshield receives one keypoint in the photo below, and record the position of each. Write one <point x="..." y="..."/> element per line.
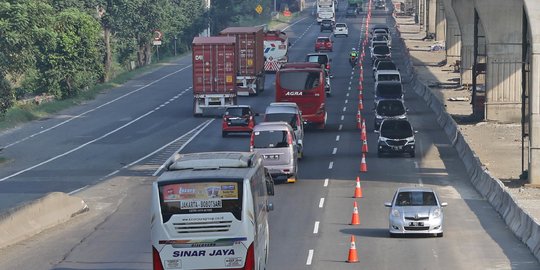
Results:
<point x="299" y="80"/>
<point x="200" y="196"/>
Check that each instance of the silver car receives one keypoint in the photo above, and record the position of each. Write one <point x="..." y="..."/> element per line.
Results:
<point x="276" y="143"/>
<point x="288" y="112"/>
<point x="416" y="210"/>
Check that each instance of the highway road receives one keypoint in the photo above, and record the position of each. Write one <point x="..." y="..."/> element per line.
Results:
<point x="109" y="150"/>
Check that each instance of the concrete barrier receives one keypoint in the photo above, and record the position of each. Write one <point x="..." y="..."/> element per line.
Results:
<point x="519" y="221"/>
<point x="34" y="217"/>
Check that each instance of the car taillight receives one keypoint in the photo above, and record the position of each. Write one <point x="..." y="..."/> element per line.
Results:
<point x="156" y="260"/>
<point x="328" y="66"/>
<point x="250" y="259"/>
<point x="289" y="139"/>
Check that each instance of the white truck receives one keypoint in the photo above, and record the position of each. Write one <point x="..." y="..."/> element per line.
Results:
<point x="276" y="46"/>
<point x="326" y="10"/>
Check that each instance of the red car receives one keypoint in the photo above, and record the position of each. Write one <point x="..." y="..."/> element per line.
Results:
<point x="238" y="118"/>
<point x="324" y="44"/>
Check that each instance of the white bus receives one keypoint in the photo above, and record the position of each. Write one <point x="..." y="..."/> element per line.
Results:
<point x="326" y="10"/>
<point x="210" y="211"/>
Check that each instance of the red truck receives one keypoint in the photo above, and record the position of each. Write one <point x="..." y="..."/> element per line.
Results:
<point x="250" y="58"/>
<point x="214" y="73"/>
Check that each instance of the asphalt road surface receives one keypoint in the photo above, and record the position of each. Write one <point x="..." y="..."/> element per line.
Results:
<point x="119" y="141"/>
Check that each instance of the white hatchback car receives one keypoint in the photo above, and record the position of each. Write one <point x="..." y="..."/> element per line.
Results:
<point x="341" y="29"/>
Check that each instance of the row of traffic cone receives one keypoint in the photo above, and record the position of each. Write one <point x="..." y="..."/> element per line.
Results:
<point x="355" y="219"/>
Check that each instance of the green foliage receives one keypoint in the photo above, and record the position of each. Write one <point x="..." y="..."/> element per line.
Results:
<point x="70" y="59"/>
<point x="21" y="22"/>
<point x="225" y="13"/>
<point x="6" y="95"/>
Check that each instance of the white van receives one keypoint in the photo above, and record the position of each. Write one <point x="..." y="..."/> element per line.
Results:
<point x="277" y="144"/>
<point x="288" y="112"/>
<point x="210" y="211"/>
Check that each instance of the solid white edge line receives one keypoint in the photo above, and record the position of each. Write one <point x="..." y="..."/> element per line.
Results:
<point x="78" y="147"/>
<point x="321" y="203"/>
<point x="310" y="257"/>
<point x="326" y="182"/>
<point x="78" y="190"/>
<point x="316" y="227"/>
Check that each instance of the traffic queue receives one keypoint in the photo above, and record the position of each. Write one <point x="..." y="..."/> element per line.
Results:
<point x="211" y="203"/>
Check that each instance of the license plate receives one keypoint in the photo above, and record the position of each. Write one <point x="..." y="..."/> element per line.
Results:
<point x="271" y="157"/>
<point x="397" y="147"/>
<point x="414" y="224"/>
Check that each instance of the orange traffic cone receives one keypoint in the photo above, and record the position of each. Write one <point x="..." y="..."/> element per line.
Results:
<point x="353" y="256"/>
<point x="355" y="220"/>
<point x="359" y="120"/>
<point x="364" y="147"/>
<point x="363" y="165"/>
<point x="363" y="133"/>
<point x="360" y="87"/>
<point x="358" y="189"/>
<point x="361" y="95"/>
<point x="360" y="104"/>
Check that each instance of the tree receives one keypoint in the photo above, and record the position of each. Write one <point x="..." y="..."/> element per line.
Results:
<point x="70" y="58"/>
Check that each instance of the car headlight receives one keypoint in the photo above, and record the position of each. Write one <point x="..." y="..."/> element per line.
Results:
<point x="382" y="139"/>
<point x="402" y="116"/>
<point x="410" y="140"/>
<point x="395" y="213"/>
<point x="437" y="213"/>
<point x="378" y="116"/>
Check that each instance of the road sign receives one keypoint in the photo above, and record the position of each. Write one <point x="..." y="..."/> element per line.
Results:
<point x="259" y="9"/>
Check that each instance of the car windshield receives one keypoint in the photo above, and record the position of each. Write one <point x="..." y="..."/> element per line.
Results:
<point x="390" y="108"/>
<point x="389" y="91"/>
<point x="285" y="117"/>
<point x="321" y="59"/>
<point x="270" y="139"/>
<point x="299" y="80"/>
<point x="237" y="112"/>
<point x="381" y="50"/>
<point x="396" y="129"/>
<point x="341" y="25"/>
<point x="386" y="65"/>
<point x="416" y="198"/>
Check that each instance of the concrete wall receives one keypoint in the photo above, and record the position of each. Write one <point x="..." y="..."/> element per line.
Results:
<point x="503" y="70"/>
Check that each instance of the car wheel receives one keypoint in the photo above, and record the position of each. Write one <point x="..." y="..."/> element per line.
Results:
<point x="224" y="134"/>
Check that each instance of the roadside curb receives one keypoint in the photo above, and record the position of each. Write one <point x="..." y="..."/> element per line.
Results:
<point x="36" y="216"/>
<point x="520" y="222"/>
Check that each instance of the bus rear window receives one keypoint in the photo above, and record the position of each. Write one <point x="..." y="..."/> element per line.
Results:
<point x="299" y="80"/>
<point x="201" y="197"/>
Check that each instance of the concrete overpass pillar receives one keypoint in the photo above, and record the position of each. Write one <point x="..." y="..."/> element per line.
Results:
<point x="534" y="114"/>
<point x="452" y="32"/>
<point x="502" y="23"/>
<point x="440" y="21"/>
<point x="464" y="11"/>
<point x="532" y="8"/>
<point x="431" y="6"/>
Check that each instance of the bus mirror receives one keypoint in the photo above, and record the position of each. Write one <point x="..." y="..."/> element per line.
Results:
<point x="270" y="186"/>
